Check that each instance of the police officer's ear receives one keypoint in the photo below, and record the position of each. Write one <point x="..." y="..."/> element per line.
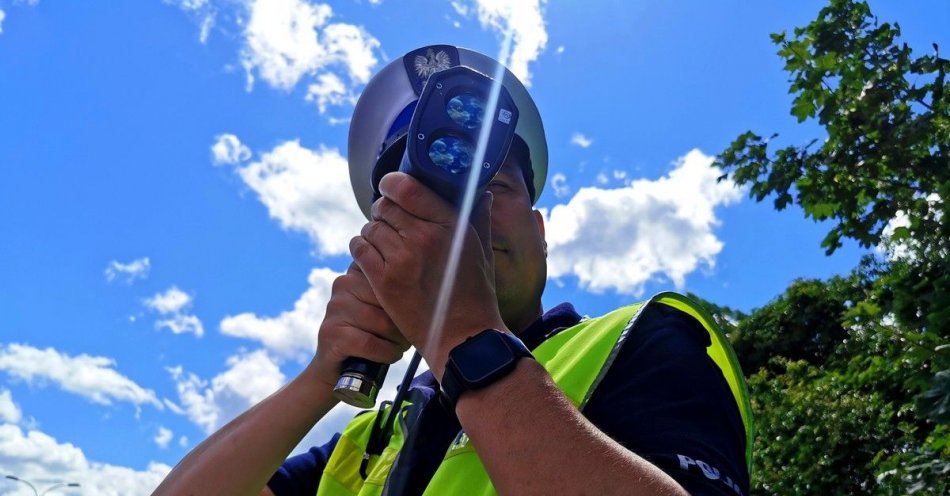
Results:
<point x="539" y="220"/>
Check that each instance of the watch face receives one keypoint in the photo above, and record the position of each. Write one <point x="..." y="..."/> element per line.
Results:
<point x="480" y="358"/>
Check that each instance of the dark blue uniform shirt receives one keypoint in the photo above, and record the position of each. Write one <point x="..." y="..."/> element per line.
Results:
<point x="663" y="398"/>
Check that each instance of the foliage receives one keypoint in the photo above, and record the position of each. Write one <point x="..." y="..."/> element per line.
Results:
<point x="838" y="432"/>
<point x="725" y="317"/>
<point x="834" y="403"/>
<point x="882" y="172"/>
<point x="887" y="118"/>
<point x="850" y="377"/>
<point x="805" y="323"/>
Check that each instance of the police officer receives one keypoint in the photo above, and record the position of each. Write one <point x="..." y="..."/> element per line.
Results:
<point x="647" y="399"/>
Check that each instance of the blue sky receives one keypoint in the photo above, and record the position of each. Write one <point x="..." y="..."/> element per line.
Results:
<point x="175" y="198"/>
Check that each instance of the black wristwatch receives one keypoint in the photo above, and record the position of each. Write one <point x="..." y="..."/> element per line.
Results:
<point x="479" y="361"/>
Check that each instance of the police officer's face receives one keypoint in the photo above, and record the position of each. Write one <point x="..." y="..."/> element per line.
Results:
<point x="518" y="244"/>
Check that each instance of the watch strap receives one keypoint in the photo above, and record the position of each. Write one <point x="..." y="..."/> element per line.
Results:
<point x="497" y="346"/>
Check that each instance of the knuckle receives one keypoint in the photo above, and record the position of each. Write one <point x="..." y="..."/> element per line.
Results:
<point x="339" y="285"/>
<point x="375" y="319"/>
<point x="358" y="247"/>
<point x="369" y="229"/>
<point x="429" y="238"/>
<point x="332" y="349"/>
<point x="366" y="344"/>
<point x="382" y="208"/>
<point x="405" y="189"/>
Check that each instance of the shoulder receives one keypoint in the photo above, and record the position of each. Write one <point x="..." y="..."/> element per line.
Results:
<point x="664" y="398"/>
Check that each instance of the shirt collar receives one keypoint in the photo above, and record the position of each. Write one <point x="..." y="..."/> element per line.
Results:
<point x="552" y="322"/>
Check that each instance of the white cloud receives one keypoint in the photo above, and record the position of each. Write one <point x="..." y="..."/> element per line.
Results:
<point x="202" y="11"/>
<point x="905" y="249"/>
<point x="527" y="24"/>
<point x="171" y="303"/>
<point x="621" y="238"/>
<point x="9" y="411"/>
<point x="172" y="300"/>
<point x="292" y="333"/>
<point x="289" y="41"/>
<point x="34" y="455"/>
<point x="183" y="441"/>
<point x="190" y="4"/>
<point x="329" y="90"/>
<point x="136" y="269"/>
<point x="309" y="191"/>
<point x="181" y="323"/>
<point x="602" y="178"/>
<point x="3" y="15"/>
<point x="92" y="377"/>
<point x="560" y="49"/>
<point x="460" y="8"/>
<point x="163" y="437"/>
<point x="286" y="40"/>
<point x="581" y="140"/>
<point x="228" y="149"/>
<point x="171" y="405"/>
<point x="895" y="250"/>
<point x="559" y="183"/>
<point x="250" y="377"/>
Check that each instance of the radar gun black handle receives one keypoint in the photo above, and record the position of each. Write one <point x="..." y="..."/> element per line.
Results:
<point x="359" y="382"/>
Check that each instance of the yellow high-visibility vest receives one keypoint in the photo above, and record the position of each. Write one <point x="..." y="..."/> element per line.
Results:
<point x="577" y="359"/>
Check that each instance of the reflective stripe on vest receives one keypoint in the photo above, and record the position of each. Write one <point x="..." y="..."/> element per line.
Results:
<point x="577" y="359"/>
<point x="342" y="473"/>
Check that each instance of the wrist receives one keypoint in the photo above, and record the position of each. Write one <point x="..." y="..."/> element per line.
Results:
<point x="438" y="355"/>
<point x="321" y="375"/>
<point x="479" y="362"/>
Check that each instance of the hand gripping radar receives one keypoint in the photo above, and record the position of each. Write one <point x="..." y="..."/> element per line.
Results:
<point x="440" y="149"/>
<point x="406" y="94"/>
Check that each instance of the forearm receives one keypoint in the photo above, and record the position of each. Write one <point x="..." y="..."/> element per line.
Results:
<point x="242" y="456"/>
<point x="532" y="440"/>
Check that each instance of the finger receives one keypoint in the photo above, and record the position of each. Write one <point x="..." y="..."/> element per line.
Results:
<point x="366" y="256"/>
<point x="355" y="283"/>
<point x="388" y="211"/>
<point x="356" y="343"/>
<point x="382" y="236"/>
<point x="355" y="314"/>
<point x="416" y="198"/>
<point x="354" y="268"/>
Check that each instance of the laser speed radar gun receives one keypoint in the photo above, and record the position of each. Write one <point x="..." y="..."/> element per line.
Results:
<point x="432" y="114"/>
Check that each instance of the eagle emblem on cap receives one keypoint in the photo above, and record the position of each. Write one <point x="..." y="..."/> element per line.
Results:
<point x="432" y="63"/>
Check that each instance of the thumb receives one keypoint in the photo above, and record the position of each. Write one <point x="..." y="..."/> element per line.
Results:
<point x="481" y="221"/>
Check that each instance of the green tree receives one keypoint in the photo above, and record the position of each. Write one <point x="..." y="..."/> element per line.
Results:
<point x="851" y="377"/>
<point x="885" y="154"/>
<point x="882" y="172"/>
<point x="805" y="323"/>
<point x="833" y="397"/>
